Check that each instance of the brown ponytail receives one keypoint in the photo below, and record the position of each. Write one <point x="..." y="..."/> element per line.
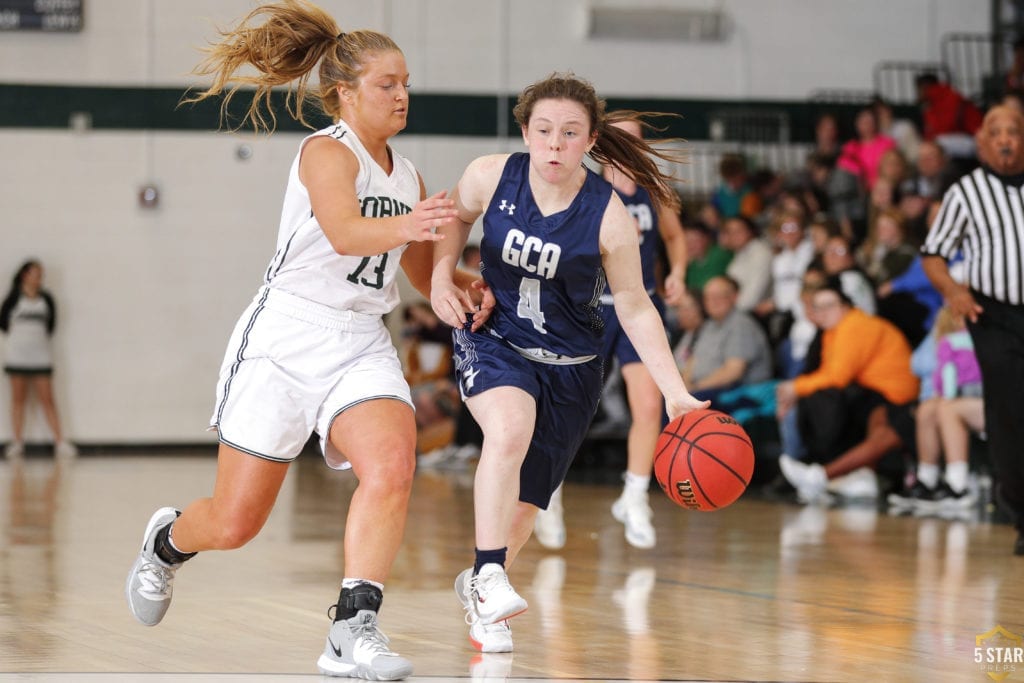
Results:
<point x="284" y="41"/>
<point x="614" y="146"/>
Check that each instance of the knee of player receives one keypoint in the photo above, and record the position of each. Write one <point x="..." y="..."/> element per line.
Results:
<point x="393" y="473"/>
<point x="236" y="531"/>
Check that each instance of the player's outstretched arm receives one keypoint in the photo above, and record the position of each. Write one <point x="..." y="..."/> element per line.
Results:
<point x="328" y="169"/>
<point x="636" y="313"/>
<point x="450" y="294"/>
<point x="671" y="229"/>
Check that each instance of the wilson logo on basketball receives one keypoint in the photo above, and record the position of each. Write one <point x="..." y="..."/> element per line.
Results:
<point x="725" y="420"/>
<point x="686" y="497"/>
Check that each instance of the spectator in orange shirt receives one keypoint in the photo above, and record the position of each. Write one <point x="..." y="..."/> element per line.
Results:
<point x="855" y="407"/>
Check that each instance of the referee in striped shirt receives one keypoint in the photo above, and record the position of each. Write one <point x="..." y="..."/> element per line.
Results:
<point x="982" y="214"/>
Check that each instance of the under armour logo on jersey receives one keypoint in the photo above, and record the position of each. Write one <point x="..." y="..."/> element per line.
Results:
<point x="468" y="377"/>
<point x="506" y="205"/>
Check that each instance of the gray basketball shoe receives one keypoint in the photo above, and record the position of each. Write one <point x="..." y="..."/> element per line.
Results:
<point x="357" y="648"/>
<point x="150" y="581"/>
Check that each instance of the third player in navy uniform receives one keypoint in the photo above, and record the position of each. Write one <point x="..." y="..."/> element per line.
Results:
<point x="552" y="232"/>
<point x="656" y="223"/>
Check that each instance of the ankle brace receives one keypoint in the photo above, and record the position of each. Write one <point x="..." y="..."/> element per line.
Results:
<point x="165" y="550"/>
<point x="353" y="600"/>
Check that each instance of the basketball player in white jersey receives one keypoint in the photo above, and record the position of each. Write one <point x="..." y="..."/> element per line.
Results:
<point x="311" y="353"/>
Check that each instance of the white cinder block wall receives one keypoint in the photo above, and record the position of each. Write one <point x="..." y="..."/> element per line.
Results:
<point x="147" y="298"/>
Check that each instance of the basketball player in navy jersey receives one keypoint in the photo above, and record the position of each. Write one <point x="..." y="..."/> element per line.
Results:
<point x="311" y="353"/>
<point x="553" y="231"/>
<point x="653" y="221"/>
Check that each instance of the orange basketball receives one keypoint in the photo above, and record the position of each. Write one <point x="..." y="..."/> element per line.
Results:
<point x="704" y="460"/>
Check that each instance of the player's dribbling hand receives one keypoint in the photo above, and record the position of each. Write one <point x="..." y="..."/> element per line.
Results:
<point x="428" y="214"/>
<point x="684" y="404"/>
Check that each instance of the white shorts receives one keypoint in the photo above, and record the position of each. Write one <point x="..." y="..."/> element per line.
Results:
<point x="292" y="366"/>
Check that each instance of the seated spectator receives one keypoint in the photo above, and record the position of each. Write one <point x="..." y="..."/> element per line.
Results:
<point x="789" y="201"/>
<point x="794" y="354"/>
<point x="471" y="257"/>
<point x="933" y="174"/>
<point x="751" y="264"/>
<point x="444" y="440"/>
<point x="731" y="348"/>
<point x="826" y="136"/>
<point x="863" y="155"/>
<point x="705" y="257"/>
<point x="886" y="252"/>
<point x="902" y="131"/>
<point x="893" y="183"/>
<point x="426" y="345"/>
<point x="734" y="195"/>
<point x="1014" y="79"/>
<point x="711" y="217"/>
<point x="844" y="198"/>
<point x="800" y="354"/>
<point x="910" y="300"/>
<point x="819" y="231"/>
<point x="427" y="354"/>
<point x="948" y="117"/>
<point x="944" y="425"/>
<point x="793" y="253"/>
<point x="855" y="407"/>
<point x="838" y="260"/>
<point x="768" y="186"/>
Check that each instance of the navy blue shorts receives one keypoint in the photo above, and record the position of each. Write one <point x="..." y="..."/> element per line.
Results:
<point x="616" y="343"/>
<point x="566" y="397"/>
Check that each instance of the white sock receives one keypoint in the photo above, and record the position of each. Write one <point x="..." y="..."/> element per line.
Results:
<point x="956" y="475"/>
<point x="352" y="583"/>
<point x="637" y="483"/>
<point x="928" y="474"/>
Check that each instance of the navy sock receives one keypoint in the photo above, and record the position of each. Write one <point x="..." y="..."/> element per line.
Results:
<point x="489" y="557"/>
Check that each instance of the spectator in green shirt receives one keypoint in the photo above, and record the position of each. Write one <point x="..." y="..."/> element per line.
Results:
<point x="706" y="259"/>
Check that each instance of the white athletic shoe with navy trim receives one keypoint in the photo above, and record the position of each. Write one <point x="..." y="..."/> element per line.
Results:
<point x="492" y="595"/>
<point x="496" y="637"/>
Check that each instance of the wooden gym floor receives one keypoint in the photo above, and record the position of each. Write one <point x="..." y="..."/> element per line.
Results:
<point x="761" y="591"/>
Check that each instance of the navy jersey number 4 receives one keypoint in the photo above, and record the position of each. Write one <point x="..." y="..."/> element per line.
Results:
<point x="545" y="269"/>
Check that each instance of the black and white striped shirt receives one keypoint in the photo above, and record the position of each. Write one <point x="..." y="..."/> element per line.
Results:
<point x="983" y="216"/>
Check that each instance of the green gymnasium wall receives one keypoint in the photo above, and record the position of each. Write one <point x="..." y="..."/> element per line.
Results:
<point x="124" y="108"/>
